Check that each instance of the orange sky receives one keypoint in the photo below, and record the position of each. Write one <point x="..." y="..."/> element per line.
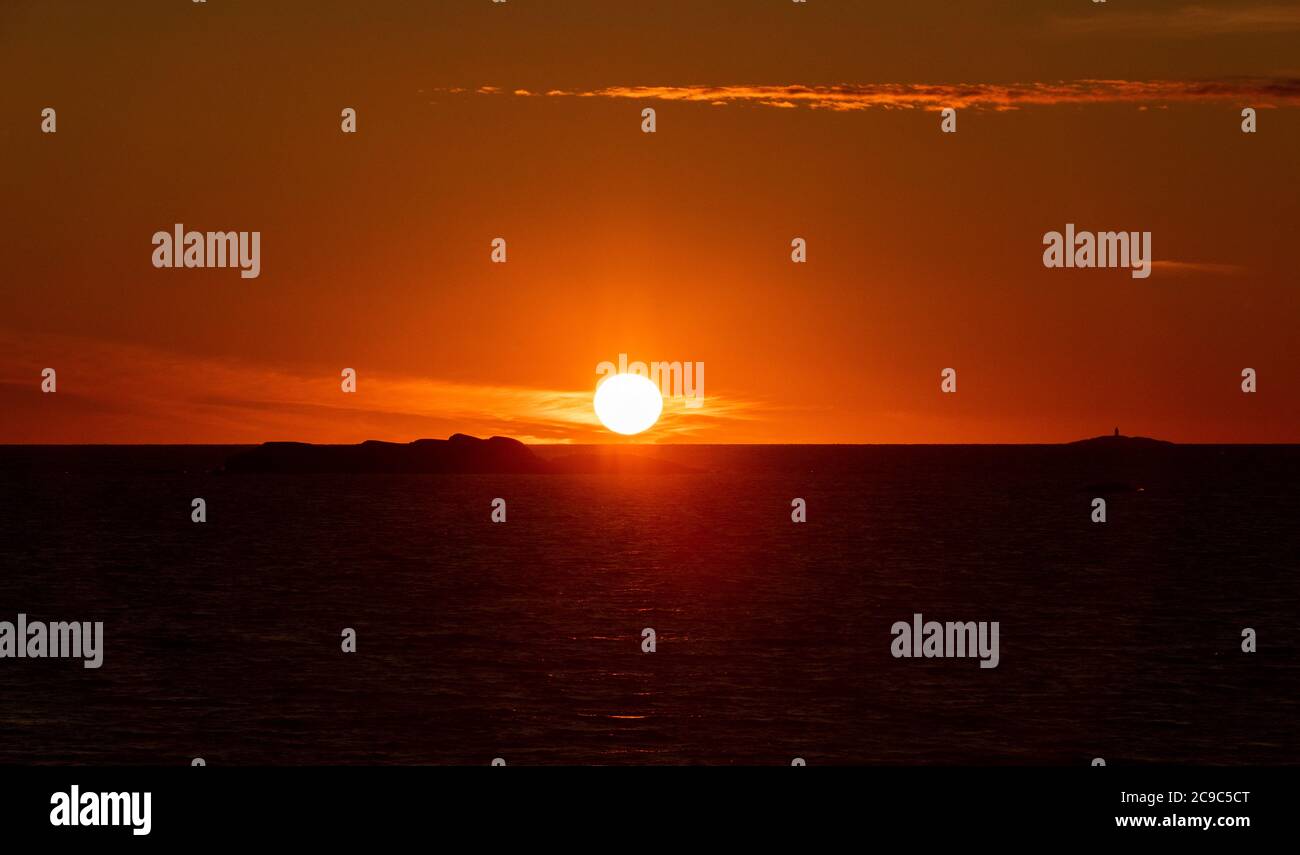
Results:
<point x="775" y="120"/>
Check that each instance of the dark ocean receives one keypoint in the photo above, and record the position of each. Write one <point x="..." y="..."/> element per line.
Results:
<point x="522" y="640"/>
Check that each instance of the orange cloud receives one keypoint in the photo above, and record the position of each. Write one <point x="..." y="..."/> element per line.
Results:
<point x="114" y="392"/>
<point x="1188" y="267"/>
<point x="843" y="97"/>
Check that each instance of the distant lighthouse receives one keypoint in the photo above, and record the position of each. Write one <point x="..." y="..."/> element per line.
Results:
<point x="1116" y="431"/>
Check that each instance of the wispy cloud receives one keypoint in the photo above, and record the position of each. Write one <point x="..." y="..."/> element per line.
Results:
<point x="1176" y="268"/>
<point x="843" y="97"/>
<point x="116" y="392"/>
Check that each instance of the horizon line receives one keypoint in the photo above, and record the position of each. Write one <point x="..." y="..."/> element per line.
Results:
<point x="644" y="445"/>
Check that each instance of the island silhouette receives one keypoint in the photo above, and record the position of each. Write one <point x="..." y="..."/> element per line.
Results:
<point x="458" y="454"/>
<point x="1118" y="440"/>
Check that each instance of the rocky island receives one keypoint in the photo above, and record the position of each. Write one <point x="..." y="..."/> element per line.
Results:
<point x="459" y="454"/>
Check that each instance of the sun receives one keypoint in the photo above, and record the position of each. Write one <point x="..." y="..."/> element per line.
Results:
<point x="628" y="403"/>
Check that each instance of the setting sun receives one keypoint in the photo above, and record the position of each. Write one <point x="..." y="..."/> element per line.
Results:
<point x="628" y="403"/>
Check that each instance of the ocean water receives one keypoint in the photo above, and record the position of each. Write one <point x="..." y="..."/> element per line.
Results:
<point x="523" y="640"/>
